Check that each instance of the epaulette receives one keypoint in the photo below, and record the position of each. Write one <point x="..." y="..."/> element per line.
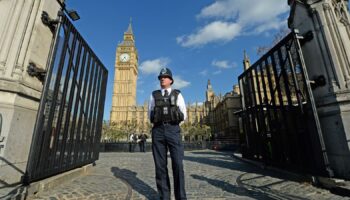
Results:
<point x="176" y="91"/>
<point x="156" y="91"/>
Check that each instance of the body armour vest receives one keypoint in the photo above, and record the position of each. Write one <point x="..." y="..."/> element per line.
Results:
<point x="165" y="108"/>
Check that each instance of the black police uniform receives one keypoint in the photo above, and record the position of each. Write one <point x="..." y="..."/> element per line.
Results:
<point x="166" y="117"/>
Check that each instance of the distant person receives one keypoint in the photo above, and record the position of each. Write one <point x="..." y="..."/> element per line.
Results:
<point x="135" y="138"/>
<point x="142" y="141"/>
<point x="166" y="110"/>
<point x="132" y="142"/>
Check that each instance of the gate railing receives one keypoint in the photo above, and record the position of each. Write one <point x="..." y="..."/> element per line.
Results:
<point x="69" y="122"/>
<point x="279" y="122"/>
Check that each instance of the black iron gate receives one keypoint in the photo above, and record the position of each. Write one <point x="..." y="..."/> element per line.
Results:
<point x="279" y="121"/>
<point x="68" y="127"/>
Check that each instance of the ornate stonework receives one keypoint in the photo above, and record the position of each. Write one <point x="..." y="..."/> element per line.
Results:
<point x="340" y="11"/>
<point x="125" y="79"/>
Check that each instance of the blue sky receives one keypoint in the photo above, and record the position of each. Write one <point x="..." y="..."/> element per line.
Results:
<point x="197" y="39"/>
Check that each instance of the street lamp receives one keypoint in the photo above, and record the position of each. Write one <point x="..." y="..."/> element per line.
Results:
<point x="73" y="14"/>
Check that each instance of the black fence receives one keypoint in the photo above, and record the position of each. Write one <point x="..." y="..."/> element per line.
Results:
<point x="69" y="121"/>
<point x="188" y="146"/>
<point x="134" y="147"/>
<point x="279" y="123"/>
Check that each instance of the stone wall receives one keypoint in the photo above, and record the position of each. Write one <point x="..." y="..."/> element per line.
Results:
<point x="23" y="39"/>
<point x="327" y="54"/>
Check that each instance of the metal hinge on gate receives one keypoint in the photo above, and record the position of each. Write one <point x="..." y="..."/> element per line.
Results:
<point x="33" y="70"/>
<point x="317" y="82"/>
<point x="51" y="23"/>
<point x="306" y="37"/>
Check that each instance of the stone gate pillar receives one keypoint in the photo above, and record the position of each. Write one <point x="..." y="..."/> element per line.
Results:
<point x="327" y="54"/>
<point x="24" y="39"/>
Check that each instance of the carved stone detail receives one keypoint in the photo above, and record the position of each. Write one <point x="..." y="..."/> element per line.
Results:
<point x="8" y="10"/>
<point x="331" y="73"/>
<point x="336" y="41"/>
<point x="340" y="11"/>
<point x="11" y="26"/>
<point x="326" y="6"/>
<point x="24" y="41"/>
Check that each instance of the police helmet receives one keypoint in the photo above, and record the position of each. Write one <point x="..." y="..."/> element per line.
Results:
<point x="165" y="72"/>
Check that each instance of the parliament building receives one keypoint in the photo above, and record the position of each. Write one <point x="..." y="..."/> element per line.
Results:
<point x="216" y="111"/>
<point x="124" y="109"/>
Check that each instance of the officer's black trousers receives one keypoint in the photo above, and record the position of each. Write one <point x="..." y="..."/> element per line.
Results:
<point x="167" y="137"/>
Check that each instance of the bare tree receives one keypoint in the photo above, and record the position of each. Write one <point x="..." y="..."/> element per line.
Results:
<point x="280" y="34"/>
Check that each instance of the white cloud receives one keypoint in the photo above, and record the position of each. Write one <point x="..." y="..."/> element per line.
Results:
<point x="245" y="12"/>
<point x="220" y="9"/>
<point x="204" y="72"/>
<point x="213" y="32"/>
<point x="153" y="66"/>
<point x="180" y="83"/>
<point x="217" y="72"/>
<point x="234" y="18"/>
<point x="221" y="64"/>
<point x="270" y="25"/>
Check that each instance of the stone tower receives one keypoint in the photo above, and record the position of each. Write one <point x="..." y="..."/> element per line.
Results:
<point x="246" y="61"/>
<point x="125" y="78"/>
<point x="209" y="93"/>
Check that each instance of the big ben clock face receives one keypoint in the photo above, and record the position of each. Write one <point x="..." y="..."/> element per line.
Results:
<point x="124" y="57"/>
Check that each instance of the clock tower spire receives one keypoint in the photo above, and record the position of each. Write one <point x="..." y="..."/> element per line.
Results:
<point x="125" y="78"/>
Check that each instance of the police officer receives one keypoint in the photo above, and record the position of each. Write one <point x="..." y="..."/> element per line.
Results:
<point x="166" y="110"/>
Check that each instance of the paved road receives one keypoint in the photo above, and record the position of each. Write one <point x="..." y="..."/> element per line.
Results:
<point x="209" y="175"/>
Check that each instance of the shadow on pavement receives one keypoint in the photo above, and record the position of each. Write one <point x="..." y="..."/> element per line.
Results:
<point x="4" y="184"/>
<point x="136" y="183"/>
<point x="265" y="188"/>
<point x="217" y="162"/>
<point x="261" y="193"/>
<point x="234" y="164"/>
<point x="240" y="191"/>
<point x="211" y="152"/>
<point x="8" y="190"/>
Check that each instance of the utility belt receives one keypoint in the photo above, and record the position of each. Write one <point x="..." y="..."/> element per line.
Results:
<point x="166" y="123"/>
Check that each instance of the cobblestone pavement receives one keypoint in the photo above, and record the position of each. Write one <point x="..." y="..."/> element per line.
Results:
<point x="209" y="175"/>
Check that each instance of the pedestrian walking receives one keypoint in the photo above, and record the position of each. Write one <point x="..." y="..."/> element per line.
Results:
<point x="166" y="110"/>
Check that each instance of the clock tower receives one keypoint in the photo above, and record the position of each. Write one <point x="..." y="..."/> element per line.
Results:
<point x="125" y="79"/>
